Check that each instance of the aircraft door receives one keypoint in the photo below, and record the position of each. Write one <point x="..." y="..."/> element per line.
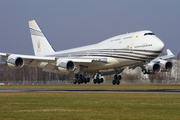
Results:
<point x="131" y="47"/>
<point x="111" y="51"/>
<point x="144" y="47"/>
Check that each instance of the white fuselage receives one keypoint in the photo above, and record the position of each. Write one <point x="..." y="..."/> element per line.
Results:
<point x="121" y="51"/>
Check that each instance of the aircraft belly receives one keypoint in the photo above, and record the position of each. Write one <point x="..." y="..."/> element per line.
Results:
<point x="112" y="63"/>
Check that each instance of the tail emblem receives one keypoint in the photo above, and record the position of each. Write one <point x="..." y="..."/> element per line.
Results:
<point x="39" y="46"/>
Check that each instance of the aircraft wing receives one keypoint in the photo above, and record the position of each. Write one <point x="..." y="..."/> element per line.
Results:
<point x="47" y="62"/>
<point x="28" y="60"/>
<point x="168" y="56"/>
<point x="165" y="65"/>
<point x="28" y="57"/>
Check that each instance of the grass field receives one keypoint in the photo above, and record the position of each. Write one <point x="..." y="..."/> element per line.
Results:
<point x="78" y="106"/>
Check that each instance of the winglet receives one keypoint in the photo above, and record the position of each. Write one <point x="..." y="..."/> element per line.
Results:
<point x="169" y="52"/>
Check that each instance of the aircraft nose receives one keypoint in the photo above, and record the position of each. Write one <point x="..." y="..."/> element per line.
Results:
<point x="159" y="45"/>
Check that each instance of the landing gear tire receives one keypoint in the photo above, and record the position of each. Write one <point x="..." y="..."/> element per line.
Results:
<point x="113" y="82"/>
<point x="101" y="80"/>
<point x="81" y="78"/>
<point x="85" y="80"/>
<point x="98" y="80"/>
<point x="115" y="77"/>
<point x="88" y="79"/>
<point x="119" y="77"/>
<point x="74" y="81"/>
<point x="118" y="82"/>
<point x="76" y="76"/>
<point x="79" y="82"/>
<point x="144" y="71"/>
<point x="95" y="81"/>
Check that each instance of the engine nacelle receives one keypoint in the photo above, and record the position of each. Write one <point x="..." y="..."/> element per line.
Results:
<point x="166" y="65"/>
<point x="154" y="68"/>
<point x="64" y="64"/>
<point x="15" y="62"/>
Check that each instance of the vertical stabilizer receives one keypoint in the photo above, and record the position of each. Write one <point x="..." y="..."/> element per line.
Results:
<point x="40" y="44"/>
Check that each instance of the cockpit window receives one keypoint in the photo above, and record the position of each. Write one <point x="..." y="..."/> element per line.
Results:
<point x="149" y="34"/>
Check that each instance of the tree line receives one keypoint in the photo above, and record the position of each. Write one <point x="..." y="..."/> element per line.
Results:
<point x="30" y="74"/>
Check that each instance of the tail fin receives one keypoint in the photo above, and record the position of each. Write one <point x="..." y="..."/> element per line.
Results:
<point x="40" y="44"/>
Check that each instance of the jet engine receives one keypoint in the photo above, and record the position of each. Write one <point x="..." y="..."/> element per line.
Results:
<point x="65" y="65"/>
<point x="166" y="65"/>
<point x="154" y="68"/>
<point x="15" y="62"/>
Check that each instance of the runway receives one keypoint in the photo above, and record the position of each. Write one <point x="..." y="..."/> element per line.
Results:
<point x="165" y="91"/>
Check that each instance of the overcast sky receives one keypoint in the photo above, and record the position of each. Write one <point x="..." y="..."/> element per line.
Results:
<point x="74" y="23"/>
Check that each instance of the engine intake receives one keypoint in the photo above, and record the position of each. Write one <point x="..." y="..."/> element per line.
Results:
<point x="66" y="64"/>
<point x="15" y="62"/>
<point x="154" y="67"/>
<point x="166" y="66"/>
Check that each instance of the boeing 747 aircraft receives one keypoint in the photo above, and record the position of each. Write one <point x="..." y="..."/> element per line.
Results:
<point x="137" y="49"/>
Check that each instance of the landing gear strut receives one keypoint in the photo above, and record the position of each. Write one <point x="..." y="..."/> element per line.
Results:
<point x="116" y="80"/>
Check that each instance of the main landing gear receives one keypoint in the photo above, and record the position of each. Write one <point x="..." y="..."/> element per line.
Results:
<point x="98" y="80"/>
<point x="116" y="80"/>
<point x="80" y="79"/>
